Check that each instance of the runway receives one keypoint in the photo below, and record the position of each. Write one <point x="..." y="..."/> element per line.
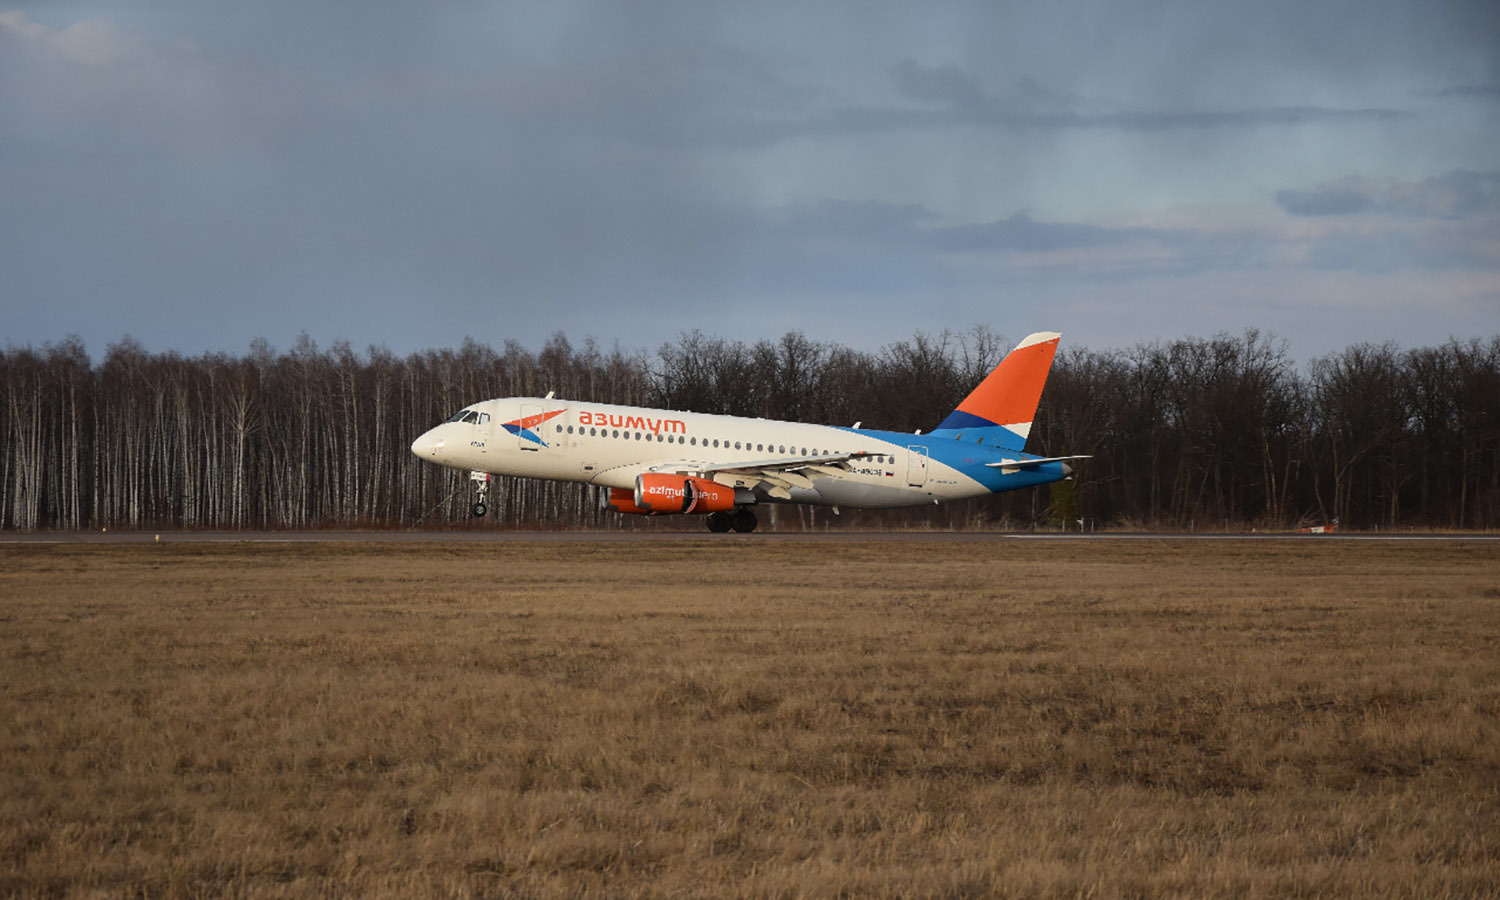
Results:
<point x="497" y="536"/>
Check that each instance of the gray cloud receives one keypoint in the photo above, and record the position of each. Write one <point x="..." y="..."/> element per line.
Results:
<point x="866" y="120"/>
<point x="1454" y="195"/>
<point x="199" y="172"/>
<point x="946" y="84"/>
<point x="1330" y="200"/>
<point x="1031" y="104"/>
<point x="1022" y="233"/>
<point x="1432" y="248"/>
<point x="1472" y="92"/>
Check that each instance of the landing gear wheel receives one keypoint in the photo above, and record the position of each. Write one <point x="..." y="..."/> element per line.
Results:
<point x="720" y="522"/>
<point x="745" y="521"/>
<point x="481" y="494"/>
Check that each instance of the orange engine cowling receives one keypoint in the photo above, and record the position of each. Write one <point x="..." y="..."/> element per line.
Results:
<point x="659" y="493"/>
<point x="622" y="500"/>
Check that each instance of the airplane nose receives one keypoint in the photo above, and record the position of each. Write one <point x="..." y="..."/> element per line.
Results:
<point x="426" y="446"/>
<point x="1067" y="470"/>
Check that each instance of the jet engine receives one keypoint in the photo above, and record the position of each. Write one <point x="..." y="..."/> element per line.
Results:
<point x="622" y="500"/>
<point x="658" y="493"/>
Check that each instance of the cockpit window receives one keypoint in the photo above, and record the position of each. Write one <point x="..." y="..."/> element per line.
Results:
<point x="458" y="416"/>
<point x="472" y="417"/>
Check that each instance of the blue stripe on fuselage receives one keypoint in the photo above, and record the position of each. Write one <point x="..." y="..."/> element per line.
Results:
<point x="969" y="457"/>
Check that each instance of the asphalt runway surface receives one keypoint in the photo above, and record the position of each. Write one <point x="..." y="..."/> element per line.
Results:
<point x="497" y="536"/>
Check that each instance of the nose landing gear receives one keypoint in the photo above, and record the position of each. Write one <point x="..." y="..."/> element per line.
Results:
<point x="481" y="496"/>
<point x="742" y="520"/>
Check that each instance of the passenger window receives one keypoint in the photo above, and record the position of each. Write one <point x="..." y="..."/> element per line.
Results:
<point x="615" y="434"/>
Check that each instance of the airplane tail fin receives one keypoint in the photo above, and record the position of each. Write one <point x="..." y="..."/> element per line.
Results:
<point x="1000" y="410"/>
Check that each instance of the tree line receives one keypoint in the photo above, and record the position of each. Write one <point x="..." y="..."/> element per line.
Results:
<point x="1194" y="433"/>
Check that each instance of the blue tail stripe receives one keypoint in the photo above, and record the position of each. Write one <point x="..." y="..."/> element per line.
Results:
<point x="958" y="420"/>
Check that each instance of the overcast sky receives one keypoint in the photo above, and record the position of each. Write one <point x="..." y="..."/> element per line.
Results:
<point x="198" y="173"/>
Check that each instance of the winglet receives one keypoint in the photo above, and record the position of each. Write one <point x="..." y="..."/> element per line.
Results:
<point x="1005" y="402"/>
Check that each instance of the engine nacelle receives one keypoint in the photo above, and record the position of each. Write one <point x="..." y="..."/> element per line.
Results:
<point x="659" y="493"/>
<point x="622" y="500"/>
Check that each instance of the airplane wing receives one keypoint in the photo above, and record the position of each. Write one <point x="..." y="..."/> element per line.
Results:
<point x="777" y="474"/>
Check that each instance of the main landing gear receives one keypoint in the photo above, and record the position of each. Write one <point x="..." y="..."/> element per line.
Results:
<point x="481" y="496"/>
<point x="742" y="520"/>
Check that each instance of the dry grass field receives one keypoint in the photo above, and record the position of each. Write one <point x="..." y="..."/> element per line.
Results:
<point x="735" y="717"/>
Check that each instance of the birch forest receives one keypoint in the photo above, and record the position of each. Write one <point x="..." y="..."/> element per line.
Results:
<point x="1221" y="433"/>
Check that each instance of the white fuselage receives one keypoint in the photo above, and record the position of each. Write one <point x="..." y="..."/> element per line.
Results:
<point x="601" y="444"/>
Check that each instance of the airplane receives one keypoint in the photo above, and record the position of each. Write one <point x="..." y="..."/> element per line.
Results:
<point x="666" y="462"/>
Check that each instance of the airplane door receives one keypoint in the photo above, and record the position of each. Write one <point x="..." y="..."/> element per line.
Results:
<point x="531" y="427"/>
<point x="916" y="465"/>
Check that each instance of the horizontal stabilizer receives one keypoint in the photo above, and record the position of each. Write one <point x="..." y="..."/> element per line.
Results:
<point x="1011" y="465"/>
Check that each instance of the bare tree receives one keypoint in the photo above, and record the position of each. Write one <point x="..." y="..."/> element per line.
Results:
<point x="1193" y="430"/>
